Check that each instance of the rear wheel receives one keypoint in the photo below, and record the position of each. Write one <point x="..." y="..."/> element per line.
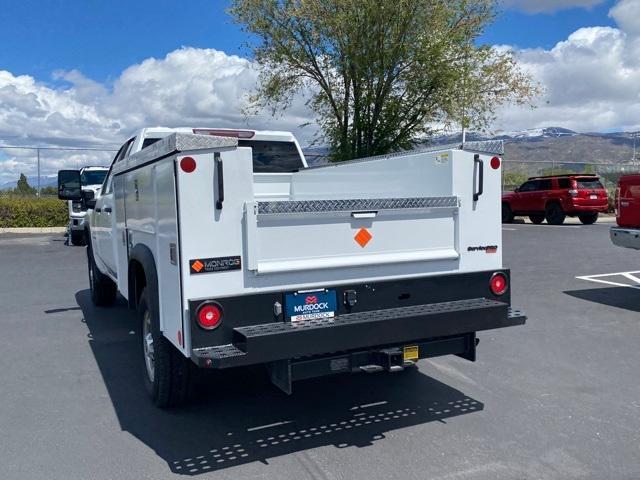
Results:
<point x="103" y="289"/>
<point x="77" y="237"/>
<point x="554" y="214"/>
<point x="168" y="375"/>
<point x="507" y="214"/>
<point x="537" y="218"/>
<point x="588" y="218"/>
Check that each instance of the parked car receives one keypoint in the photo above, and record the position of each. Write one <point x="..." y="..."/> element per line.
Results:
<point x="91" y="179"/>
<point x="555" y="197"/>
<point x="627" y="233"/>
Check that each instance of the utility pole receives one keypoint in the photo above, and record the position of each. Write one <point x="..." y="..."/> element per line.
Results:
<point x="38" y="150"/>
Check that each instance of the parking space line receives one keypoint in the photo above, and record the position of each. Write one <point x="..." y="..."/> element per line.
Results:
<point x="599" y="278"/>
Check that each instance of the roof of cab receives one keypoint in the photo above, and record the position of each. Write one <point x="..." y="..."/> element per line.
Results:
<point x="155" y="132"/>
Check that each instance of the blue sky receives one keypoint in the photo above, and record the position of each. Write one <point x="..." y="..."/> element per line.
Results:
<point x="101" y="38"/>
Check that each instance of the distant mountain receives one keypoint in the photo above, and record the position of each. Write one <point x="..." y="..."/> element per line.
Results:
<point x="33" y="181"/>
<point x="558" y="146"/>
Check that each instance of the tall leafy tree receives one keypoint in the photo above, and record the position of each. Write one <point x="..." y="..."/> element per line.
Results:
<point x="381" y="73"/>
<point x="23" y="187"/>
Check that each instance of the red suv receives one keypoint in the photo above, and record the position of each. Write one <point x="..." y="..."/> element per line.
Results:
<point x="554" y="197"/>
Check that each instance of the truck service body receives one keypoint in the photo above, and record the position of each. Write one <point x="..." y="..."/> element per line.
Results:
<point x="235" y="252"/>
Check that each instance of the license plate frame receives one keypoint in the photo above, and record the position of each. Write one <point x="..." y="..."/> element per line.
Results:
<point x="310" y="305"/>
<point x="593" y="197"/>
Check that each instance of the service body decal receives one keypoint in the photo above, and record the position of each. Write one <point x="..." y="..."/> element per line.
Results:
<point x="484" y="248"/>
<point x="212" y="265"/>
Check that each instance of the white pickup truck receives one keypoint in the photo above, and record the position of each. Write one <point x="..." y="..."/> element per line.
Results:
<point x="91" y="178"/>
<point x="235" y="253"/>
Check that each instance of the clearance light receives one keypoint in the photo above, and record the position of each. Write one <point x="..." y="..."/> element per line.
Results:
<point x="225" y="133"/>
<point x="188" y="164"/>
<point x="499" y="283"/>
<point x="209" y="316"/>
<point x="495" y="163"/>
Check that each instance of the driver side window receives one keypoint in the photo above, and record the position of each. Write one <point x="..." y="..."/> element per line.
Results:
<point x="107" y="187"/>
<point x="528" y="187"/>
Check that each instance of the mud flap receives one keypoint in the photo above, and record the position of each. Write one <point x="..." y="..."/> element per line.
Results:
<point x="280" y="374"/>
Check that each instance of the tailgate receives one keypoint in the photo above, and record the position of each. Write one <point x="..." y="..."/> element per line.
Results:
<point x="287" y="236"/>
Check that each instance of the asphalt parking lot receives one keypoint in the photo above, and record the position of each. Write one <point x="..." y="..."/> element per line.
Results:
<point x="558" y="398"/>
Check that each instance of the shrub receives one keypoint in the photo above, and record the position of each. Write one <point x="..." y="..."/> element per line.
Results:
<point x="18" y="211"/>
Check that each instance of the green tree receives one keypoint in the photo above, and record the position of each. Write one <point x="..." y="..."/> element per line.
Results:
<point x="511" y="180"/>
<point x="23" y="187"/>
<point x="381" y="73"/>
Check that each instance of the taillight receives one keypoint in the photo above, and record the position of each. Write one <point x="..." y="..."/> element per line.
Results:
<point x="499" y="283"/>
<point x="188" y="164"/>
<point x="495" y="163"/>
<point x="224" y="133"/>
<point x="209" y="315"/>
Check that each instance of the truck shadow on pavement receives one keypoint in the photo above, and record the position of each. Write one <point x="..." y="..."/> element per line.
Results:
<point x="620" y="297"/>
<point x="240" y="418"/>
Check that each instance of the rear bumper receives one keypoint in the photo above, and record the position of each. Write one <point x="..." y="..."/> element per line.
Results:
<point x="625" y="237"/>
<point x="272" y="342"/>
<point x="580" y="209"/>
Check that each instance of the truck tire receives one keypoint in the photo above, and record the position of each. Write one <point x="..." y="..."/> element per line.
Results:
<point x="77" y="237"/>
<point x="507" y="214"/>
<point x="168" y="375"/>
<point x="103" y="289"/>
<point x="589" y="218"/>
<point x="537" y="218"/>
<point x="554" y="214"/>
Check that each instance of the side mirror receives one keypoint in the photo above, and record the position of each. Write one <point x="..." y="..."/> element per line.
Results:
<point x="517" y="189"/>
<point x="89" y="200"/>
<point x="69" y="187"/>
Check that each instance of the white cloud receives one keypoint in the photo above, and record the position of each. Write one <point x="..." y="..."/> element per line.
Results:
<point x="548" y="6"/>
<point x="590" y="79"/>
<point x="626" y="13"/>
<point x="189" y="87"/>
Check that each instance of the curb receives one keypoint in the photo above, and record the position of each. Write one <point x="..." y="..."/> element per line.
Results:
<point x="34" y="230"/>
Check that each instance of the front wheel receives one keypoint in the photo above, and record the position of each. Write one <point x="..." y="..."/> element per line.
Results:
<point x="555" y="214"/>
<point x="168" y="375"/>
<point x="103" y="289"/>
<point x="77" y="237"/>
<point x="589" y="218"/>
<point x="507" y="214"/>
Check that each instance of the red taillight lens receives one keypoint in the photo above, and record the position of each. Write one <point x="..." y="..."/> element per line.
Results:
<point x="209" y="316"/>
<point x="495" y="163"/>
<point x="499" y="283"/>
<point x="188" y="164"/>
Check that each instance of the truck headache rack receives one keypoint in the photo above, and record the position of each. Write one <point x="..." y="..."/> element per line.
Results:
<point x="284" y="340"/>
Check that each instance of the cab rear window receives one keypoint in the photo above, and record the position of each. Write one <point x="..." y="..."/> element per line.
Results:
<point x="591" y="183"/>
<point x="273" y="157"/>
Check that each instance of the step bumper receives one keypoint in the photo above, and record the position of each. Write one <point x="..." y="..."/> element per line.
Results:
<point x="270" y="342"/>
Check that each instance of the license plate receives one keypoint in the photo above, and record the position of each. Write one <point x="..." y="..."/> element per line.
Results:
<point x="593" y="197"/>
<point x="310" y="305"/>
